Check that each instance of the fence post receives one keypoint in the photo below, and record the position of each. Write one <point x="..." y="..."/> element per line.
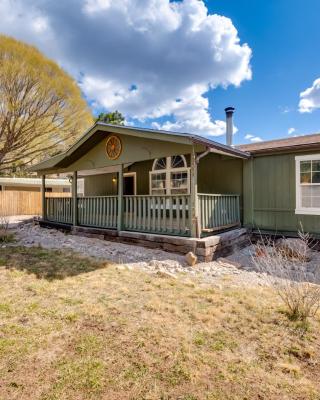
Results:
<point x="120" y="198"/>
<point x="43" y="197"/>
<point x="195" y="228"/>
<point x="75" y="198"/>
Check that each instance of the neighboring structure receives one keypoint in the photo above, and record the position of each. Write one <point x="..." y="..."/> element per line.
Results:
<point x="34" y="185"/>
<point x="146" y="182"/>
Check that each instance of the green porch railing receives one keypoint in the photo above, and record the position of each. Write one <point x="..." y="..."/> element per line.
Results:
<point x="157" y="214"/>
<point x="98" y="211"/>
<point x="169" y="215"/>
<point x="218" y="211"/>
<point x="59" y="209"/>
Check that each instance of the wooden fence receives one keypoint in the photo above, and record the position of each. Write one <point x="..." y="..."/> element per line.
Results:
<point x="14" y="202"/>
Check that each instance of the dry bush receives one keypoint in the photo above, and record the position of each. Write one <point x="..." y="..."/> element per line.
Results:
<point x="5" y="235"/>
<point x="286" y="267"/>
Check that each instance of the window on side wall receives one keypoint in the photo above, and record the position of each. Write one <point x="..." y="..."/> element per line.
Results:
<point x="169" y="176"/>
<point x="308" y="184"/>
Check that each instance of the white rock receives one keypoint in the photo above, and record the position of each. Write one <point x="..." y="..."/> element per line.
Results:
<point x="166" y="274"/>
<point x="191" y="259"/>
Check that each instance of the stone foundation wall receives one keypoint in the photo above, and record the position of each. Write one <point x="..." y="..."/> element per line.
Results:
<point x="206" y="249"/>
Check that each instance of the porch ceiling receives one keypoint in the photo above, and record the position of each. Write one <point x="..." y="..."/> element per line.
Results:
<point x="142" y="144"/>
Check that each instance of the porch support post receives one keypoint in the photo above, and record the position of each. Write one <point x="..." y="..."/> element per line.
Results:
<point x="195" y="227"/>
<point x="75" y="198"/>
<point x="43" y="197"/>
<point x="120" y="198"/>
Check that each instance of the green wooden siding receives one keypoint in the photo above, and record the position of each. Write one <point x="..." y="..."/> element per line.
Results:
<point x="216" y="174"/>
<point x="270" y="195"/>
<point x="100" y="185"/>
<point x="142" y="175"/>
<point x="134" y="150"/>
<point x="220" y="174"/>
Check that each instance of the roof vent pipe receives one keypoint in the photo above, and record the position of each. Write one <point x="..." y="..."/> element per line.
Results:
<point x="229" y="120"/>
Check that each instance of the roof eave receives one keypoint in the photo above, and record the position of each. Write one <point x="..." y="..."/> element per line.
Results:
<point x="297" y="147"/>
<point x="221" y="148"/>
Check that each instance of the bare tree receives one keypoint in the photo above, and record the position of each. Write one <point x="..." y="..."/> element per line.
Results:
<point x="41" y="107"/>
<point x="285" y="264"/>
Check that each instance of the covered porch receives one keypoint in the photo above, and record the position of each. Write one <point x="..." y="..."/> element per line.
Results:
<point x="170" y="215"/>
<point x="147" y="181"/>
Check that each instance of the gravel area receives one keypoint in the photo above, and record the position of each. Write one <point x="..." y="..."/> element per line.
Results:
<point x="132" y="256"/>
<point x="310" y="270"/>
<point x="14" y="221"/>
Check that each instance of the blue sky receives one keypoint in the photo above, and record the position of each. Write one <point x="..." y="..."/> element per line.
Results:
<point x="284" y="38"/>
<point x="177" y="64"/>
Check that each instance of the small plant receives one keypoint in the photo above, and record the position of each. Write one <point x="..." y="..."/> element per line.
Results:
<point x="5" y="235"/>
<point x="285" y="264"/>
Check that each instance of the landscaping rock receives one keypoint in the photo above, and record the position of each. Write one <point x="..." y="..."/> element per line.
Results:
<point x="166" y="274"/>
<point x="152" y="261"/>
<point x="191" y="259"/>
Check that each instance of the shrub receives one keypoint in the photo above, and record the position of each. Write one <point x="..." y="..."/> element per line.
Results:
<point x="5" y="235"/>
<point x="285" y="264"/>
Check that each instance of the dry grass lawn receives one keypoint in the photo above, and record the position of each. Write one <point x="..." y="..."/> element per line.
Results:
<point x="72" y="328"/>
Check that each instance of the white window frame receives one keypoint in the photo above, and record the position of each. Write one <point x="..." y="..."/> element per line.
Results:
<point x="168" y="172"/>
<point x="299" y="208"/>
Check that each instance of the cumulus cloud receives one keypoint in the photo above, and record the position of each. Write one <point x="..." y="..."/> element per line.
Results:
<point x="291" y="131"/>
<point x="253" y="138"/>
<point x="149" y="59"/>
<point x="310" y="98"/>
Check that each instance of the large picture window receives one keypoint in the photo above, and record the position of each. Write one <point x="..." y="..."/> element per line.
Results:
<point x="308" y="184"/>
<point x="170" y="175"/>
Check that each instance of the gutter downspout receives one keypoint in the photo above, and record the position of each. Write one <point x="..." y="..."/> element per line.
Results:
<point x="205" y="153"/>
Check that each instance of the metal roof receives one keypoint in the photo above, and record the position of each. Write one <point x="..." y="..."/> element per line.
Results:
<point x="292" y="143"/>
<point x="51" y="163"/>
<point x="33" y="181"/>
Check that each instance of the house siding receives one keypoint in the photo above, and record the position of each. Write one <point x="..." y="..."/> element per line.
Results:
<point x="216" y="174"/>
<point x="220" y="174"/>
<point x="142" y="170"/>
<point x="270" y="195"/>
<point x="100" y="185"/>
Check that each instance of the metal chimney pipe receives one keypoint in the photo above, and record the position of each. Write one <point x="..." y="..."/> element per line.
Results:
<point x="229" y="120"/>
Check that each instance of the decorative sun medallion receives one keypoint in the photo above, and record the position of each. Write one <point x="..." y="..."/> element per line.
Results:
<point x="113" y="147"/>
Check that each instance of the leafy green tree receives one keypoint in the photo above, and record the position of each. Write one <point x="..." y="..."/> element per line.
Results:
<point x="114" y="118"/>
<point x="41" y="107"/>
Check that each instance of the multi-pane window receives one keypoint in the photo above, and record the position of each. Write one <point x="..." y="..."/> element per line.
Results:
<point x="170" y="175"/>
<point x="179" y="182"/>
<point x="308" y="184"/>
<point x="158" y="183"/>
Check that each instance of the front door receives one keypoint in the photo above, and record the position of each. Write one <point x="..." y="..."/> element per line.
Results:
<point x="129" y="185"/>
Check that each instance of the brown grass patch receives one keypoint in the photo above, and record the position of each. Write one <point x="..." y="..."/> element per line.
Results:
<point x="73" y="328"/>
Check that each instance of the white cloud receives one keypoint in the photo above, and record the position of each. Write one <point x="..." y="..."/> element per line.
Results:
<point x="310" y="98"/>
<point x="253" y="138"/>
<point x="291" y="131"/>
<point x="146" y="58"/>
<point x="284" y="109"/>
<point x="256" y="139"/>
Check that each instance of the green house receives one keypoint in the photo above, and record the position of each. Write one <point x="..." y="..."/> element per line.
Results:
<point x="160" y="184"/>
<point x="281" y="186"/>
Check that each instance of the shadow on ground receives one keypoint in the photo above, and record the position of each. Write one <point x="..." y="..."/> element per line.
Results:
<point x="47" y="264"/>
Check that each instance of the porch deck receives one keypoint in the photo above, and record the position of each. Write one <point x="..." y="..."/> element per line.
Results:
<point x="168" y="215"/>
